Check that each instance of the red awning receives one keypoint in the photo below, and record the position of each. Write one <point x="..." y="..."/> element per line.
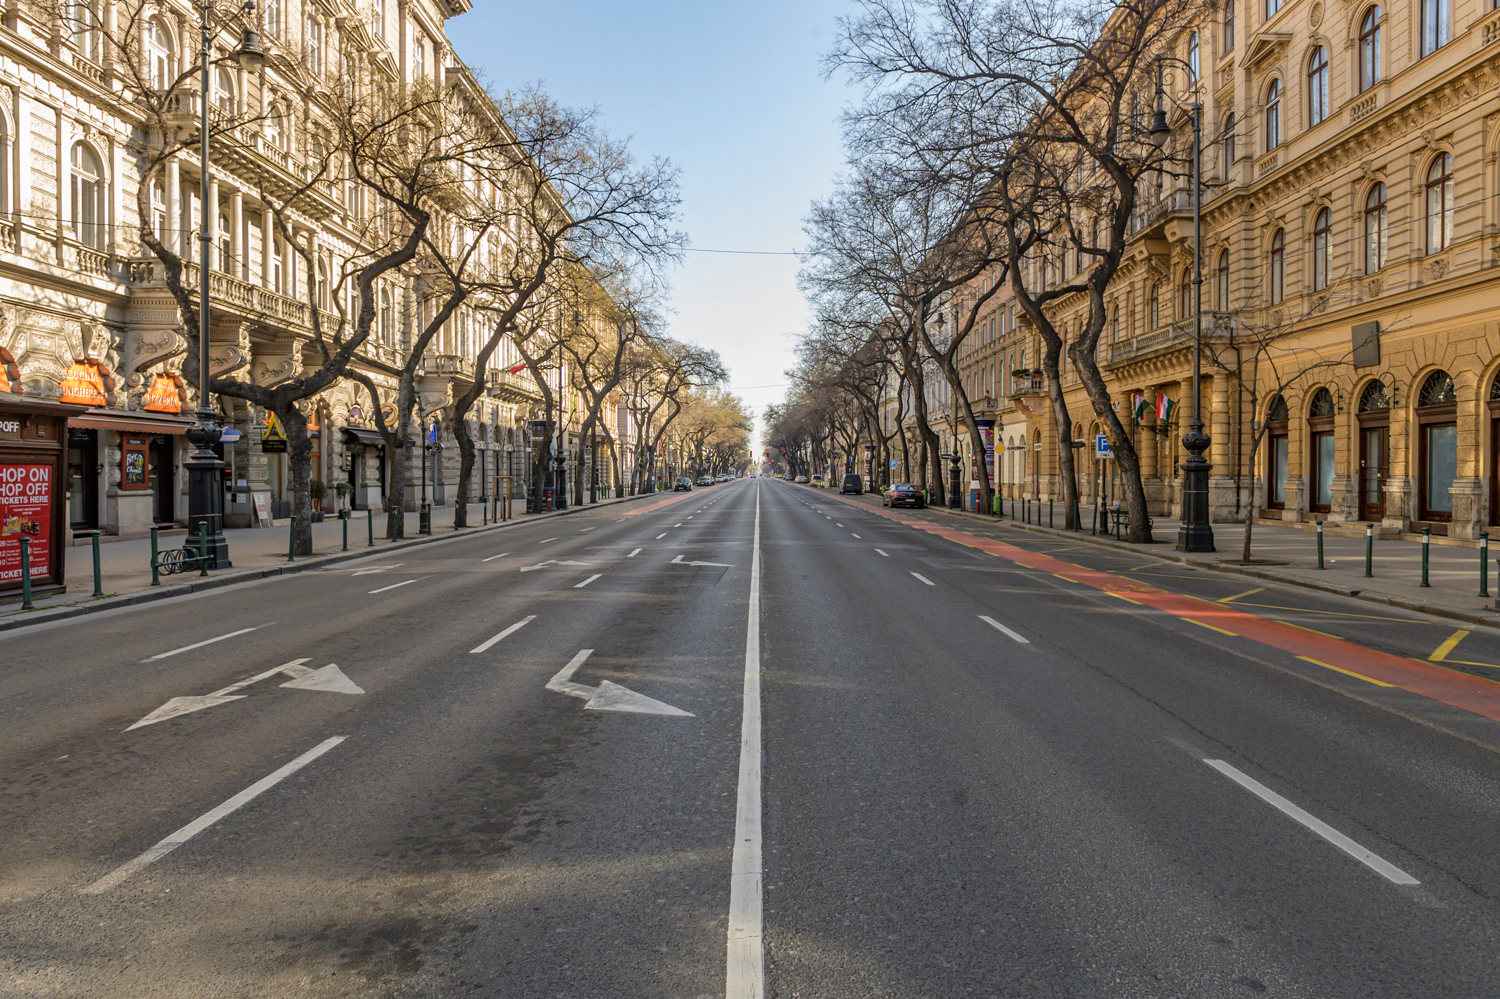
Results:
<point x="140" y="423"/>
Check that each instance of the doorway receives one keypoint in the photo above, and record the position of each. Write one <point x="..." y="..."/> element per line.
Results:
<point x="83" y="479"/>
<point x="163" y="478"/>
<point x="1374" y="467"/>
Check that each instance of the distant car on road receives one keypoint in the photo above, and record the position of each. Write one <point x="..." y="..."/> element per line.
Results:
<point x="684" y="485"/>
<point x="802" y="479"/>
<point x="903" y="494"/>
<point x="723" y="478"/>
<point x="853" y="484"/>
<point x="705" y="480"/>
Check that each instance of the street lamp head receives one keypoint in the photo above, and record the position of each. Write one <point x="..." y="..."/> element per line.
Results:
<point x="250" y="55"/>
<point x="1160" y="130"/>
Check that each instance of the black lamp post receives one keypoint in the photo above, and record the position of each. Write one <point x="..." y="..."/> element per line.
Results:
<point x="205" y="470"/>
<point x="1196" y="533"/>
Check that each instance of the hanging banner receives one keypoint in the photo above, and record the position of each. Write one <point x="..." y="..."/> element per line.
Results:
<point x="163" y="396"/>
<point x="82" y="386"/>
<point x="25" y="511"/>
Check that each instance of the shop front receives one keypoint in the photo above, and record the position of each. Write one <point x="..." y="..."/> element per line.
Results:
<point x="33" y="503"/>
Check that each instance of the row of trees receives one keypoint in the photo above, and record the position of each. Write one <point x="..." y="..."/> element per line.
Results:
<point x="528" y="214"/>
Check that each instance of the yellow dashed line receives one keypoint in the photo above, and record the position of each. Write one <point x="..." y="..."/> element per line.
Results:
<point x="1337" y="669"/>
<point x="1448" y="646"/>
<point x="1124" y="598"/>
<point x="1210" y="627"/>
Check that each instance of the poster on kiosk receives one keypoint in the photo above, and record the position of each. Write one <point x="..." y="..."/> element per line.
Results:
<point x="32" y="497"/>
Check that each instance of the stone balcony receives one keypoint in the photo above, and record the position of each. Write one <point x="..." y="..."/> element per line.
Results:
<point x="447" y="366"/>
<point x="1217" y="326"/>
<point x="229" y="294"/>
<point x="1149" y="216"/>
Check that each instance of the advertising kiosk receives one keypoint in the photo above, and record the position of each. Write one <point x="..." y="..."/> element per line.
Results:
<point x="33" y="491"/>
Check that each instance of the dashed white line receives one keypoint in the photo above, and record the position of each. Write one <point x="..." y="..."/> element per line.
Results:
<point x="586" y="530"/>
<point x="493" y="557"/>
<point x="1000" y="627"/>
<point x="924" y="579"/>
<point x="545" y="540"/>
<point x="209" y="817"/>
<point x="634" y="553"/>
<point x="405" y="582"/>
<point x="199" y="645"/>
<point x="661" y="535"/>
<point x="587" y="581"/>
<point x="504" y="634"/>
<point x="878" y="551"/>
<point x="1371" y="860"/>
<point x="853" y="535"/>
<point x="676" y="525"/>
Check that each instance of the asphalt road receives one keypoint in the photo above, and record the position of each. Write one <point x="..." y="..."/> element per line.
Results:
<point x="978" y="776"/>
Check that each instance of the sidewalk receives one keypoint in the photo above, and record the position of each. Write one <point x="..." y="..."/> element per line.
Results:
<point x="1290" y="555"/>
<point x="125" y="566"/>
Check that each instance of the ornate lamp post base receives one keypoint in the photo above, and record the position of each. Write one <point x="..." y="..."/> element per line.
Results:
<point x="1196" y="533"/>
<point x="206" y="491"/>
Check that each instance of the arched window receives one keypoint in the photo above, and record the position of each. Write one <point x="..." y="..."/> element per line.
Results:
<point x="224" y="90"/>
<point x="278" y="266"/>
<point x="1369" y="49"/>
<point x="1229" y="26"/>
<point x="1185" y="294"/>
<point x="1320" y="426"/>
<point x="1228" y="144"/>
<point x="88" y="197"/>
<point x="1273" y="115"/>
<point x="1277" y="453"/>
<point x="1375" y="228"/>
<point x="273" y="128"/>
<point x="158" y="53"/>
<point x="1437" y="390"/>
<point x="1434" y="25"/>
<point x="1437" y="445"/>
<point x="1322" y="250"/>
<point x="1317" y="85"/>
<point x="1439" y="203"/>
<point x="1193" y="57"/>
<point x="1153" y="307"/>
<point x="1278" y="266"/>
<point x="1374" y="398"/>
<point x="1221" y="298"/>
<point x="385" y="317"/>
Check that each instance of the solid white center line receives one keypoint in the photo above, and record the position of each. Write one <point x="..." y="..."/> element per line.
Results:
<point x="406" y="582"/>
<point x="746" y="975"/>
<point x="545" y="540"/>
<point x="208" y="818"/>
<point x="878" y="551"/>
<point x="924" y="579"/>
<point x="587" y="581"/>
<point x="507" y="632"/>
<point x="634" y="553"/>
<point x="1000" y="627"/>
<point x="661" y="535"/>
<point x="493" y="557"/>
<point x="1380" y="866"/>
<point x="199" y="645"/>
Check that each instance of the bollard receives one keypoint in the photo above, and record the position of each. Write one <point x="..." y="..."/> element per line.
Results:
<point x="1484" y="563"/>
<point x="1050" y="504"/>
<point x="1094" y="522"/>
<point x="346" y="533"/>
<point x="370" y="523"/>
<point x="1426" y="543"/>
<point x="1076" y="523"/>
<point x="1320" y="544"/>
<point x="98" y="576"/>
<point x="291" y="541"/>
<point x="1026" y="509"/>
<point x="25" y="573"/>
<point x="1369" y="549"/>
<point x="203" y="548"/>
<point x="155" y="575"/>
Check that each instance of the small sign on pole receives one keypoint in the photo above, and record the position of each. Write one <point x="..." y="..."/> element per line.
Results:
<point x="1102" y="450"/>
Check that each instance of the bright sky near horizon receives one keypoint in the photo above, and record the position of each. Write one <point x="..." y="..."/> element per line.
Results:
<point x="733" y="94"/>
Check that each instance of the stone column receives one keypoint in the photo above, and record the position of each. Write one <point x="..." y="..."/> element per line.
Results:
<point x="267" y="249"/>
<point x="1221" y="483"/>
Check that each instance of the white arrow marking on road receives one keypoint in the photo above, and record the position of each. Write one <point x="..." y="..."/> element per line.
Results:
<point x="329" y="678"/>
<point x="504" y="634"/>
<point x="393" y="586"/>
<point x="186" y="705"/>
<point x="723" y="565"/>
<point x="608" y="696"/>
<point x="543" y="565"/>
<point x="1000" y="627"/>
<point x="199" y="645"/>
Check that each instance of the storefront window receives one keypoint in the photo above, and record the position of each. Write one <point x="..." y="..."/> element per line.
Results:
<point x="1442" y="467"/>
<point x="1437" y="417"/>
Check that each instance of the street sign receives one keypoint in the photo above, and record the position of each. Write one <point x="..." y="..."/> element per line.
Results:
<point x="229" y="435"/>
<point x="895" y="463"/>
<point x="272" y="438"/>
<point x="537" y="428"/>
<point x="1101" y="447"/>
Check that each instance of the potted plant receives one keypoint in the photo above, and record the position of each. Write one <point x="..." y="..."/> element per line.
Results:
<point x="343" y="490"/>
<point x="318" y="491"/>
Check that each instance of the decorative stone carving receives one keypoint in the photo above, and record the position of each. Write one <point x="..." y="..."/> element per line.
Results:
<point x="1315" y="16"/>
<point x="142" y="349"/>
<point x="1373" y="287"/>
<point x="1435" y="269"/>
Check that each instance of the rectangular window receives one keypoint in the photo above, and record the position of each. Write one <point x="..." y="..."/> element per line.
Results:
<point x="1323" y="471"/>
<point x="1434" y="25"/>
<point x="1278" y="468"/>
<point x="1442" y="467"/>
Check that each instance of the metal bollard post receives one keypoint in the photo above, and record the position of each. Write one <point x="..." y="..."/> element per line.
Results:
<point x="291" y="541"/>
<point x="1484" y="563"/>
<point x="1369" y="549"/>
<point x="98" y="576"/>
<point x="1426" y="543"/>
<point x="1320" y="544"/>
<point x="1094" y="522"/>
<point x="155" y="576"/>
<point x="1050" y="505"/>
<point x="203" y="548"/>
<point x="25" y="573"/>
<point x="346" y="533"/>
<point x="370" y="523"/>
<point x="1076" y="523"/>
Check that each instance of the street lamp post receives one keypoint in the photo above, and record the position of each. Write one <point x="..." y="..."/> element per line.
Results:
<point x="1196" y="533"/>
<point x="205" y="469"/>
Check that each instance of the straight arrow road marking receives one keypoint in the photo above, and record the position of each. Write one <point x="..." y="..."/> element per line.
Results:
<point x="330" y="679"/>
<point x="483" y="646"/>
<point x="924" y="579"/>
<point x="206" y="641"/>
<point x="208" y="818"/>
<point x="1371" y="860"/>
<point x="722" y="565"/>
<point x="378" y="568"/>
<point x="493" y="557"/>
<point x="586" y="582"/>
<point x="1000" y="627"/>
<point x="406" y="582"/>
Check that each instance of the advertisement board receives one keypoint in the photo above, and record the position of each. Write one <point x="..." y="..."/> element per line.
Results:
<point x="25" y="511"/>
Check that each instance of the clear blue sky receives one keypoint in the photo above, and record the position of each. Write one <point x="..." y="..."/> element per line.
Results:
<point x="732" y="93"/>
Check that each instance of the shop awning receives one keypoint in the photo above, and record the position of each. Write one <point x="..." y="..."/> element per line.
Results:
<point x="358" y="435"/>
<point x="139" y="423"/>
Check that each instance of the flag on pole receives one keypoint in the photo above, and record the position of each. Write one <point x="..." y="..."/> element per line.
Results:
<point x="1164" y="407"/>
<point x="515" y="368"/>
<point x="1141" y="406"/>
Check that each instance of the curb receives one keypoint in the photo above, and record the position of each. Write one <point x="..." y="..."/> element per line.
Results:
<point x="25" y="619"/>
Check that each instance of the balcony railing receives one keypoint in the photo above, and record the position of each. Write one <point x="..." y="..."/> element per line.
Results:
<point x="1030" y="385"/>
<point x="1145" y="216"/>
<point x="1216" y="326"/>
<point x="226" y="291"/>
<point x="447" y="365"/>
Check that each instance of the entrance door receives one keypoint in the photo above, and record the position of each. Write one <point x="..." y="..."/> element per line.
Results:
<point x="1276" y="472"/>
<point x="1374" y="466"/>
<point x="163" y="478"/>
<point x="83" y="479"/>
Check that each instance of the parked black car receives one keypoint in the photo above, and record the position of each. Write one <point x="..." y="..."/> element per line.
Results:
<point x="903" y="494"/>
<point x="684" y="485"/>
<point x="853" y="484"/>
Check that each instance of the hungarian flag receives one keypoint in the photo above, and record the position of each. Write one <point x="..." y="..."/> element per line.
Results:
<point x="516" y="368"/>
<point x="1164" y="407"/>
<point x="1141" y="406"/>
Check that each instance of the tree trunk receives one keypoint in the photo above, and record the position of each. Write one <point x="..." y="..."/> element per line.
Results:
<point x="1127" y="460"/>
<point x="1064" y="422"/>
<point x="299" y="454"/>
<point x="466" y="457"/>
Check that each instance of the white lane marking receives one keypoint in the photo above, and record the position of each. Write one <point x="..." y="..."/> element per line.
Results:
<point x="746" y="974"/>
<point x="1380" y="866"/>
<point x="504" y="634"/>
<point x="609" y="696"/>
<point x="882" y="553"/>
<point x="209" y="817"/>
<point x="855" y="535"/>
<point x="378" y="568"/>
<point x="199" y="645"/>
<point x="924" y="579"/>
<point x="545" y="540"/>
<point x="1000" y="627"/>
<point x="634" y="553"/>
<point x="393" y="586"/>
<point x="661" y="535"/>
<point x="837" y="524"/>
<point x="587" y="581"/>
<point x="586" y="530"/>
<point x="690" y="516"/>
<point x="493" y="557"/>
<point x="676" y="525"/>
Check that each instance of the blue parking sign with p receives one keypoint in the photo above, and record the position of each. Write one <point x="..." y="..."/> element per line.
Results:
<point x="1102" y="448"/>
